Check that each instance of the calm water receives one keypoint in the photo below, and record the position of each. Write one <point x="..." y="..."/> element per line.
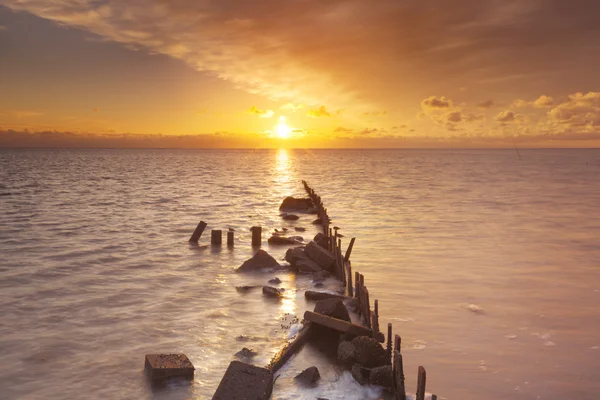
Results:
<point x="487" y="266"/>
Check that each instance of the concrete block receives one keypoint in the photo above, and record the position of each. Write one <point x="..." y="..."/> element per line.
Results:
<point x="162" y="366"/>
<point x="245" y="382"/>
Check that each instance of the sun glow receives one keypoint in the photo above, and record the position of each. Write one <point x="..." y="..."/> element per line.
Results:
<point x="283" y="131"/>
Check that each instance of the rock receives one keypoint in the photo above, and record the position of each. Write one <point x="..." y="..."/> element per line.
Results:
<point x="319" y="284"/>
<point x="299" y="229"/>
<point x="163" y="366"/>
<point x="369" y="353"/>
<point x="292" y="203"/>
<point x="317" y="222"/>
<point x="360" y="374"/>
<point x="284" y="240"/>
<point x="295" y="254"/>
<point x="312" y="210"/>
<point x="334" y="308"/>
<point x="246" y="288"/>
<point x="382" y="376"/>
<point x="319" y="255"/>
<point x="321" y="240"/>
<point x="245" y="381"/>
<point x="275" y="281"/>
<point x="307" y="266"/>
<point x="308" y="376"/>
<point x="346" y="352"/>
<point x="246" y="353"/>
<point x="260" y="260"/>
<point x="290" y="217"/>
<point x="297" y="238"/>
<point x="270" y="291"/>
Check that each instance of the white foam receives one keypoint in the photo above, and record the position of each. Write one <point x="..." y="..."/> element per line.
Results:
<point x="294" y="329"/>
<point x="344" y="388"/>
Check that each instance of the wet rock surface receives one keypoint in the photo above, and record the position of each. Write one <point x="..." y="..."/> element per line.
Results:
<point x="319" y="255"/>
<point x="290" y="217"/>
<point x="258" y="261"/>
<point x="360" y="374"/>
<point x="346" y="352"/>
<point x="382" y="376"/>
<point x="334" y="308"/>
<point x="369" y="353"/>
<point x="296" y="204"/>
<point x="246" y="353"/>
<point x="275" y="281"/>
<point x="309" y="376"/>
<point x="270" y="291"/>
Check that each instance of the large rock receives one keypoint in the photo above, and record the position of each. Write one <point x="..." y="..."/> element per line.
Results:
<point x="369" y="353"/>
<point x="260" y="260"/>
<point x="292" y="203"/>
<point x="382" y="376"/>
<point x="300" y="261"/>
<point x="295" y="254"/>
<point x="319" y="255"/>
<point x="360" y="374"/>
<point x="346" y="352"/>
<point x="284" y="240"/>
<point x="334" y="308"/>
<point x="309" y="376"/>
<point x="321" y="240"/>
<point x="308" y="266"/>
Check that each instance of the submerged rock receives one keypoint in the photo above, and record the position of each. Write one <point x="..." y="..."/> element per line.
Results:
<point x="246" y="288"/>
<point x="382" y="376"/>
<point x="246" y="353"/>
<point x="275" y="281"/>
<point x="260" y="260"/>
<point x="317" y="221"/>
<point x="369" y="353"/>
<point x="270" y="291"/>
<point x="299" y="229"/>
<point x="333" y="308"/>
<point x="290" y="217"/>
<point x="283" y="240"/>
<point x="292" y="203"/>
<point x="309" y="376"/>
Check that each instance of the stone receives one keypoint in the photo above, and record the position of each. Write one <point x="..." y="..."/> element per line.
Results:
<point x="275" y="281"/>
<point x="297" y="238"/>
<point x="246" y="288"/>
<point x="260" y="260"/>
<point x="270" y="291"/>
<point x="307" y="266"/>
<point x="299" y="229"/>
<point x="319" y="255"/>
<point x="319" y="284"/>
<point x="334" y="308"/>
<point x="321" y="240"/>
<point x="382" y="376"/>
<point x="346" y="352"/>
<point x="245" y="381"/>
<point x="246" y="353"/>
<point x="309" y="376"/>
<point x="360" y="374"/>
<point x="369" y="353"/>
<point x="283" y="240"/>
<point x="293" y="203"/>
<point x="295" y="254"/>
<point x="317" y="222"/>
<point x="290" y="217"/>
<point x="163" y="366"/>
<point x="314" y="295"/>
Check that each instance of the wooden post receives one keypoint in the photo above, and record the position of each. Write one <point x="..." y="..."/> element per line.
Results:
<point x="357" y="292"/>
<point x="397" y="343"/>
<point x="350" y="287"/>
<point x="399" y="390"/>
<point x="367" y="308"/>
<point x="198" y="232"/>
<point x="230" y="238"/>
<point x="389" y="341"/>
<point x="421" y="384"/>
<point x="256" y="236"/>
<point x="433" y="397"/>
<point x="376" y="312"/>
<point x="216" y="237"/>
<point x="374" y="323"/>
<point x="349" y="250"/>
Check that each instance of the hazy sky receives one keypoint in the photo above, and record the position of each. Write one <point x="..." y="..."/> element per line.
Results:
<point x="368" y="73"/>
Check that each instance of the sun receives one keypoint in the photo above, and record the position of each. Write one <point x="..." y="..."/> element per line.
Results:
<point x="283" y="131"/>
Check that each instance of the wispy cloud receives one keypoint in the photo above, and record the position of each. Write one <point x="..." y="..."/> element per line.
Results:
<point x="321" y="111"/>
<point x="261" y="113"/>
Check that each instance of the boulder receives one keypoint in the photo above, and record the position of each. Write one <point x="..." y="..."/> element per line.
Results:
<point x="275" y="281"/>
<point x="307" y="266"/>
<point x="293" y="203"/>
<point x="369" y="353"/>
<point x="334" y="308"/>
<point x="246" y="353"/>
<point x="260" y="260"/>
<point x="293" y="255"/>
<point x="346" y="352"/>
<point x="319" y="255"/>
<point x="382" y="376"/>
<point x="321" y="240"/>
<point x="360" y="374"/>
<point x="290" y="217"/>
<point x="284" y="240"/>
<point x="299" y="229"/>
<point x="319" y="284"/>
<point x="317" y="222"/>
<point x="270" y="291"/>
<point x="309" y="376"/>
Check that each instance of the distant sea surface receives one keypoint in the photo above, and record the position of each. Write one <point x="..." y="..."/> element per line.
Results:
<point x="487" y="265"/>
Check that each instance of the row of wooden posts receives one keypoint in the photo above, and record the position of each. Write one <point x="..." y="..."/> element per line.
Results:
<point x="360" y="292"/>
<point x="216" y="235"/>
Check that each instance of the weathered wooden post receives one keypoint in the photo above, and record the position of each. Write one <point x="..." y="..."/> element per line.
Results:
<point x="349" y="250"/>
<point x="389" y="341"/>
<point x="198" y="232"/>
<point x="399" y="390"/>
<point x="256" y="236"/>
<point x="367" y="308"/>
<point x="230" y="238"/>
<point x="433" y="397"/>
<point x="216" y="237"/>
<point x="376" y="312"/>
<point x="350" y="287"/>
<point x="421" y="384"/>
<point x="397" y="343"/>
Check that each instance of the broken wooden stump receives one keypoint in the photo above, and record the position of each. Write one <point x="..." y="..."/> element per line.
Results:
<point x="256" y="236"/>
<point x="198" y="232"/>
<point x="163" y="366"/>
<point x="245" y="381"/>
<point x="421" y="379"/>
<point x="399" y="389"/>
<point x="316" y="296"/>
<point x="337" y="324"/>
<point x="216" y="237"/>
<point x="230" y="238"/>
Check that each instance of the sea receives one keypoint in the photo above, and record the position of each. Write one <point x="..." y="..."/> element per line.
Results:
<point x="485" y="262"/>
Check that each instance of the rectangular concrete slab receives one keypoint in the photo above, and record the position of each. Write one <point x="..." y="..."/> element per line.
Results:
<point x="245" y="382"/>
<point x="162" y="366"/>
<point x="319" y="255"/>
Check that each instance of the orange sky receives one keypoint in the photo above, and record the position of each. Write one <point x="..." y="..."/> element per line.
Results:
<point x="351" y="73"/>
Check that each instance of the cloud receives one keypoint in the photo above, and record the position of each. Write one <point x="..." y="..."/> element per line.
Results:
<point x="435" y="102"/>
<point x="486" y="104"/>
<point x="506" y="116"/>
<point x="543" y="102"/>
<point x="580" y="110"/>
<point x="291" y="107"/>
<point x="454" y="116"/>
<point x="520" y="103"/>
<point x="261" y="113"/>
<point x="319" y="112"/>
